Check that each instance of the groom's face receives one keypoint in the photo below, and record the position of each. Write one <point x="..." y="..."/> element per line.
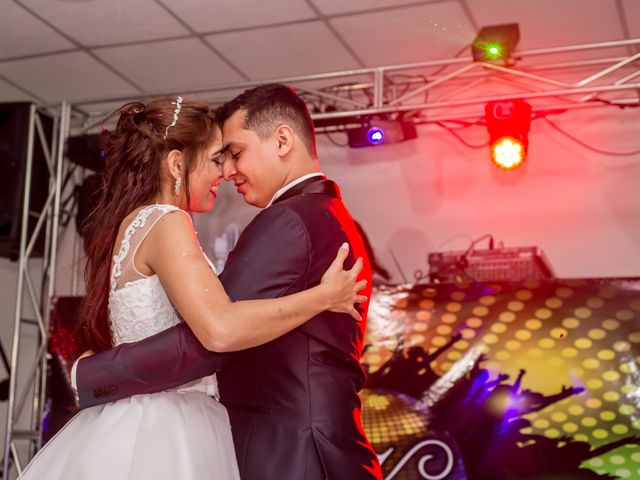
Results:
<point x="251" y="162"/>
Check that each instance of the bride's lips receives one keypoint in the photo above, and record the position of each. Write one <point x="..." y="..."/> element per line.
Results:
<point x="239" y="187"/>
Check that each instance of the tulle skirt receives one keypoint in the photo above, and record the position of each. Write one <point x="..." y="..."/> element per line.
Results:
<point x="168" y="435"/>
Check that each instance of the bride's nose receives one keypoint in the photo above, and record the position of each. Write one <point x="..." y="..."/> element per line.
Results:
<point x="228" y="169"/>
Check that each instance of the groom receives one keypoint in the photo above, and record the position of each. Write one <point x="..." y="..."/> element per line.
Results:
<point x="293" y="403"/>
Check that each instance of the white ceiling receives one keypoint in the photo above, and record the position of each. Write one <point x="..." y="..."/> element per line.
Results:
<point x="76" y="50"/>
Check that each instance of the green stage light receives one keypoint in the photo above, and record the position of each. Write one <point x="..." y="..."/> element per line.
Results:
<point x="494" y="51"/>
<point x="495" y="42"/>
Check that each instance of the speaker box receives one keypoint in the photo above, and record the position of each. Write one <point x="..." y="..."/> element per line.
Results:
<point x="88" y="196"/>
<point x="14" y="133"/>
<point x="85" y="151"/>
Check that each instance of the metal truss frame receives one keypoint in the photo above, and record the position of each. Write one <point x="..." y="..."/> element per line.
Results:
<point x="40" y="296"/>
<point x="446" y="90"/>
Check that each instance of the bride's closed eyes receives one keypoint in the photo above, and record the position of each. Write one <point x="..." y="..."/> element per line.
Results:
<point x="218" y="158"/>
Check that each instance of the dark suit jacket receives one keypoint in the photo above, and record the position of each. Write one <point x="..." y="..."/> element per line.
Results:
<point x="293" y="402"/>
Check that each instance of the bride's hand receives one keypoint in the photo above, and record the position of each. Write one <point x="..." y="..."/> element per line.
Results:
<point x="342" y="285"/>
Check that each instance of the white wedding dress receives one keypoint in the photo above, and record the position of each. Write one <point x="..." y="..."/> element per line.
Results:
<point x="182" y="433"/>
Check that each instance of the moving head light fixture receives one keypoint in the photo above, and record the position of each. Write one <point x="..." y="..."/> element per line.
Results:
<point x="376" y="132"/>
<point x="508" y="124"/>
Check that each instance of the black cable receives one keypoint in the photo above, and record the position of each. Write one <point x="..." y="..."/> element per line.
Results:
<point x="419" y="275"/>
<point x="66" y="181"/>
<point x="395" y="260"/>
<point x="453" y="132"/>
<point x="424" y="77"/>
<point x="460" y="264"/>
<point x="621" y="106"/>
<point x="5" y="360"/>
<point x="407" y="85"/>
<point x="462" y="124"/>
<point x="487" y="236"/>
<point x="444" y="67"/>
<point x="589" y="147"/>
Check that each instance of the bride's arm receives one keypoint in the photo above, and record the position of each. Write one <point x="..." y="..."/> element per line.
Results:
<point x="172" y="251"/>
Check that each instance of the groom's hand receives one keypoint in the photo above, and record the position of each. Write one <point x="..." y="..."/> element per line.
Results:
<point x="88" y="353"/>
<point x="74" y="371"/>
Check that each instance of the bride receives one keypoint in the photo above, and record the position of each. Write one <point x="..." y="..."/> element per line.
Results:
<point x="146" y="272"/>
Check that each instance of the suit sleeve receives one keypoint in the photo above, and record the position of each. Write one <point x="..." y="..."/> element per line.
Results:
<point x="270" y="260"/>
<point x="166" y="360"/>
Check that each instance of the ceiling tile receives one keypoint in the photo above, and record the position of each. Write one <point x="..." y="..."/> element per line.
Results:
<point x="217" y="98"/>
<point x="332" y="7"/>
<point x="287" y="50"/>
<point x="65" y="76"/>
<point x="550" y="23"/>
<point x="632" y="11"/>
<point x="171" y="64"/>
<point x="412" y="34"/>
<point x="207" y="16"/>
<point x="96" y="113"/>
<point x="9" y="93"/>
<point x="99" y="22"/>
<point x="23" y="34"/>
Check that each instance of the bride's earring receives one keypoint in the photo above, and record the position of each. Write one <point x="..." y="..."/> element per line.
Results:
<point x="177" y="186"/>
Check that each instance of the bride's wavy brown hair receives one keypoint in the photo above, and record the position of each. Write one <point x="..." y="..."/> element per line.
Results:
<point x="133" y="153"/>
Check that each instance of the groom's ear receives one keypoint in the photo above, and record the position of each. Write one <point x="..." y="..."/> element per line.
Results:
<point x="284" y="138"/>
<point x="174" y="163"/>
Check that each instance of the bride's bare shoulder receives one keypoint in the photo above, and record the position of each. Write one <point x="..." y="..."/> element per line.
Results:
<point x="174" y="229"/>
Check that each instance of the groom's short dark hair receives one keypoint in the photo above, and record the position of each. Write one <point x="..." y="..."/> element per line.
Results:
<point x="269" y="106"/>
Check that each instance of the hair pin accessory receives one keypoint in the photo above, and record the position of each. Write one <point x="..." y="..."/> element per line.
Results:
<point x="176" y="112"/>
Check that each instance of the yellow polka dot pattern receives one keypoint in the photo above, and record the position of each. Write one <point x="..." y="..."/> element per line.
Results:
<point x="399" y="421"/>
<point x="583" y="333"/>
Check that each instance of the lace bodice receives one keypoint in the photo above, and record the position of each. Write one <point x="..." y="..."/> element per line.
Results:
<point x="140" y="309"/>
<point x="138" y="304"/>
